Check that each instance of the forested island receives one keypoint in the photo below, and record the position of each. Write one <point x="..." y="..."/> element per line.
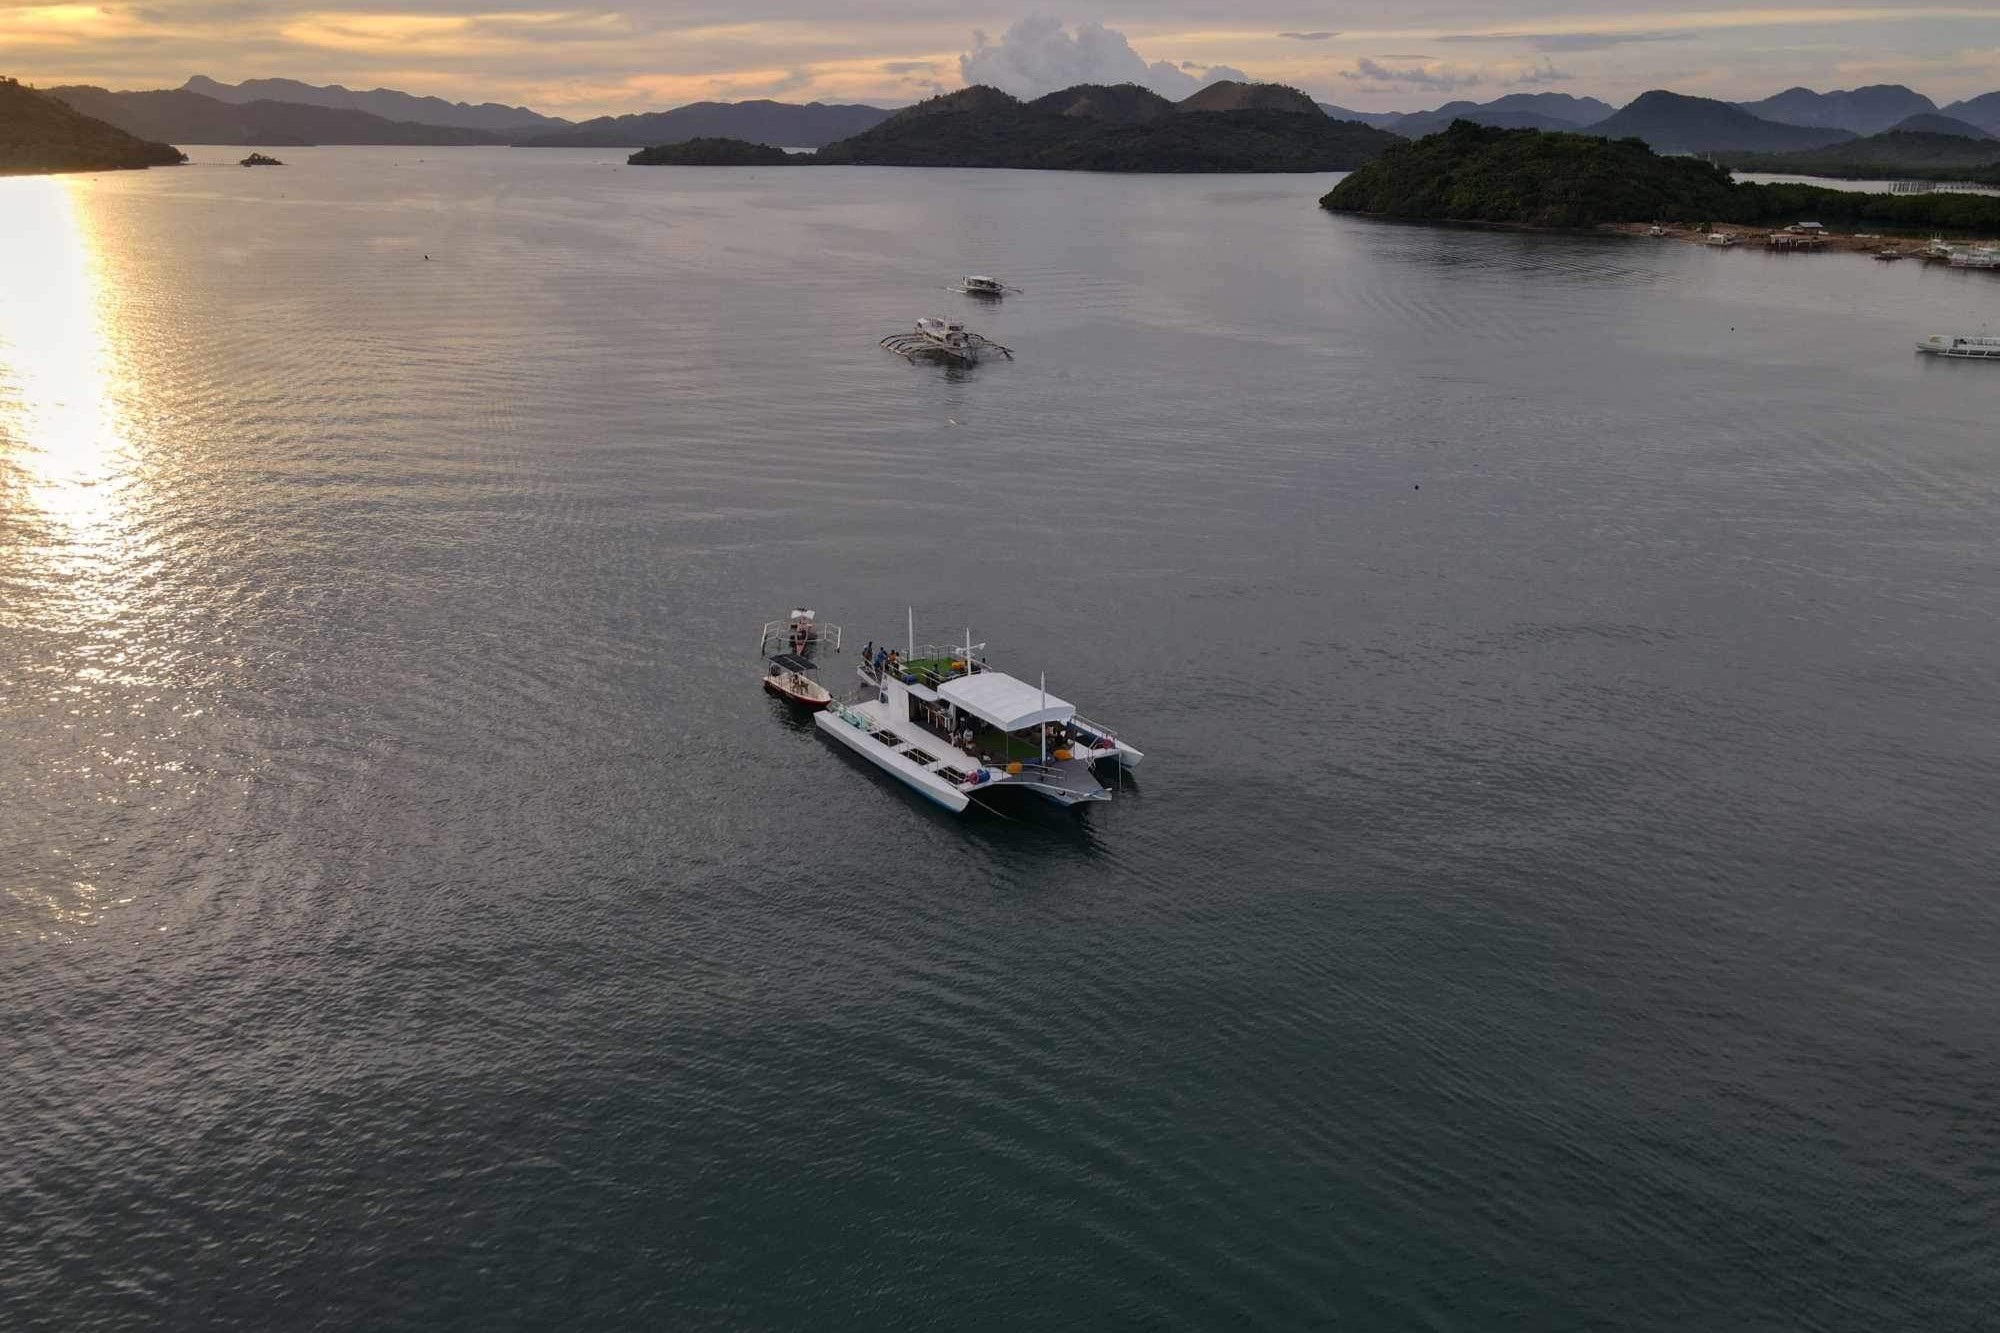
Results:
<point x="1226" y="126"/>
<point x="1538" y="178"/>
<point x="1895" y="155"/>
<point x="714" y="153"/>
<point x="40" y="134"/>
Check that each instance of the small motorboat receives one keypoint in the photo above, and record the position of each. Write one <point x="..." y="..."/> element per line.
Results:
<point x="1890" y="255"/>
<point x="978" y="284"/>
<point x="789" y="676"/>
<point x="1721" y="240"/>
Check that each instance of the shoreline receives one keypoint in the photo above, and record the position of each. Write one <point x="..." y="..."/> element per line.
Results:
<point x="1751" y="237"/>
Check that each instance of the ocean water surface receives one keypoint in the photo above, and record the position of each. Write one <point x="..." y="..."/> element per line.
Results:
<point x="1559" y="892"/>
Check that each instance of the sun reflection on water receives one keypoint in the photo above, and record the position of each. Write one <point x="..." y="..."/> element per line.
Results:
<point x="62" y="440"/>
<point x="69" y="491"/>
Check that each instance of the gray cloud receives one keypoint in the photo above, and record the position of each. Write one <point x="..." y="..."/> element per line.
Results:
<point x="1569" y="41"/>
<point x="1308" y="36"/>
<point x="908" y="67"/>
<point x="1380" y="78"/>
<point x="1541" y="76"/>
<point x="1039" y="55"/>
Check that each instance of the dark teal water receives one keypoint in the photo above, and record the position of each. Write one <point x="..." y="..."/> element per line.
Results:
<point x="1559" y="892"/>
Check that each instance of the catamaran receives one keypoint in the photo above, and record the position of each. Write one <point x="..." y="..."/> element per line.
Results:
<point x="945" y="723"/>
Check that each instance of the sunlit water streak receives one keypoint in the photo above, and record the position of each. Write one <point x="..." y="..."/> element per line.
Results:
<point x="1558" y="891"/>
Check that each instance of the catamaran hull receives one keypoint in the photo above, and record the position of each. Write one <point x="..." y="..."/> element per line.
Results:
<point x="891" y="761"/>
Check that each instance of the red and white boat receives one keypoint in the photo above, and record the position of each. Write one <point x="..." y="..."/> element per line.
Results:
<point x="790" y="647"/>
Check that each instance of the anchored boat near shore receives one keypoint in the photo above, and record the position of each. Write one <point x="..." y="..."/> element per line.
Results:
<point x="946" y="724"/>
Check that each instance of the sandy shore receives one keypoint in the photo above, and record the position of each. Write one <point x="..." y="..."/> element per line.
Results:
<point x="1860" y="243"/>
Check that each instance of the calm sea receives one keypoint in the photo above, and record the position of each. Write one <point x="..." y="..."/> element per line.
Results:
<point x="1560" y="891"/>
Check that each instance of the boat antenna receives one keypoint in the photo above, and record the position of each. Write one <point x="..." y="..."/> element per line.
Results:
<point x="1044" y="728"/>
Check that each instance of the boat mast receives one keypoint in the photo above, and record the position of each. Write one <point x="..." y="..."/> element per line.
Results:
<point x="912" y="612"/>
<point x="1044" y="728"/>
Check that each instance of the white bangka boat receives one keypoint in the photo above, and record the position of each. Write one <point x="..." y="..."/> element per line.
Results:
<point x="1721" y="239"/>
<point x="978" y="284"/>
<point x="1976" y="347"/>
<point x="937" y="336"/>
<point x="1983" y="256"/>
<point x="946" y="724"/>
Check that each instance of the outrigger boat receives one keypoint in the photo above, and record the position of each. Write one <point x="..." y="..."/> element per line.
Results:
<point x="978" y="284"/>
<point x="946" y="338"/>
<point x="1978" y="347"/>
<point x="801" y="634"/>
<point x="948" y="725"/>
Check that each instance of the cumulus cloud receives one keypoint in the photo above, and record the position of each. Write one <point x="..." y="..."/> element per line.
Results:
<point x="1540" y="76"/>
<point x="1377" y="77"/>
<point x="1039" y="55"/>
<point x="1308" y="36"/>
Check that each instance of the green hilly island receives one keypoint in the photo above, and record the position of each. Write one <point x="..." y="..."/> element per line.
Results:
<point x="40" y="134"/>
<point x="1226" y="126"/>
<point x="714" y="153"/>
<point x="1537" y="178"/>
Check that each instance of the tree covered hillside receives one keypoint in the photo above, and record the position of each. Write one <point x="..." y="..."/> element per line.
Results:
<point x="1471" y="173"/>
<point x="39" y="133"/>
<point x="1478" y="173"/>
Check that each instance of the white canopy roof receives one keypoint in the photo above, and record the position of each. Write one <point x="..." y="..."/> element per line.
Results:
<point x="1005" y="702"/>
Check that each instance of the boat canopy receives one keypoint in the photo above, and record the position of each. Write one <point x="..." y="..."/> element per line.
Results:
<point x="1004" y="702"/>
<point x="793" y="662"/>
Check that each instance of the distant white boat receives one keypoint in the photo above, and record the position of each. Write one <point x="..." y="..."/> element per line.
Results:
<point x="1721" y="239"/>
<point x="979" y="284"/>
<point x="1984" y="256"/>
<point x="1975" y="347"/>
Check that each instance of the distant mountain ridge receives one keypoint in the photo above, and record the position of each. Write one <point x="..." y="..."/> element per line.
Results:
<point x="174" y="115"/>
<point x="1869" y="110"/>
<point x="1515" y="111"/>
<point x="1983" y="111"/>
<point x="387" y="103"/>
<point x="778" y="124"/>
<point x="1935" y="123"/>
<point x="1227" y="126"/>
<point x="1674" y="123"/>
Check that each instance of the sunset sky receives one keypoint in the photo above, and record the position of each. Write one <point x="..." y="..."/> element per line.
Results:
<point x="652" y="54"/>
